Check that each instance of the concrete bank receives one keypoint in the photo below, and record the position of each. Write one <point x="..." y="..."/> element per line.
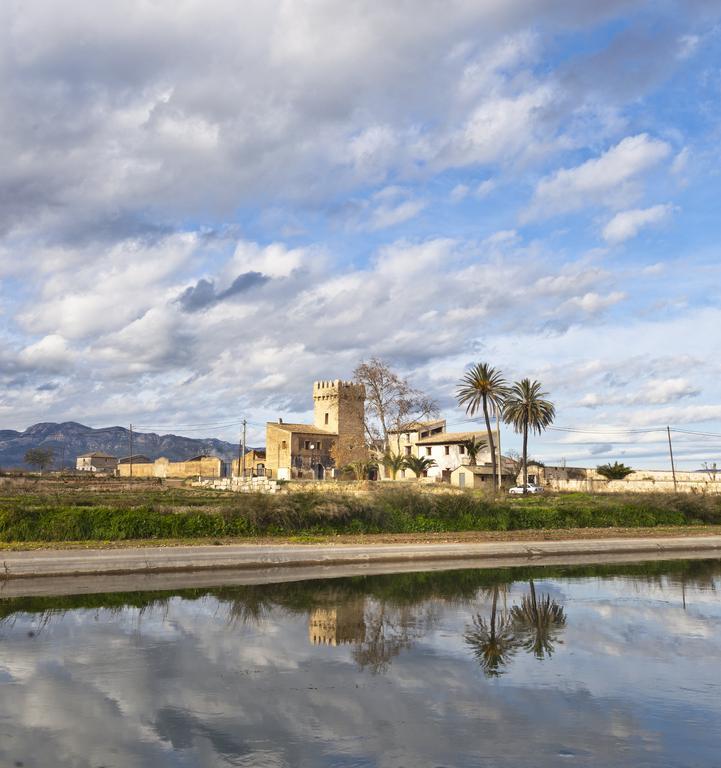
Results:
<point x="98" y="570"/>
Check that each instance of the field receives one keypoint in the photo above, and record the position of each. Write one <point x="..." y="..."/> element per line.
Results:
<point x="57" y="512"/>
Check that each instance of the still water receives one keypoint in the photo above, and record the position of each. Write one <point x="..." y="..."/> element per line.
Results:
<point x="610" y="666"/>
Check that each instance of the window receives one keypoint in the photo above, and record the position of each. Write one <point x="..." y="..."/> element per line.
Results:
<point x="448" y="449"/>
<point x="284" y="445"/>
<point x="462" y="449"/>
<point x="306" y="444"/>
<point x="408" y="450"/>
<point x="326" y="418"/>
<point x="462" y="479"/>
<point x="428" y="450"/>
<point x="318" y="445"/>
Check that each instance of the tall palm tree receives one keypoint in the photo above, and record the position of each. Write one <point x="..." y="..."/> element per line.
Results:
<point x="493" y="642"/>
<point x="419" y="464"/>
<point x="474" y="446"/>
<point x="539" y="621"/>
<point x="527" y="409"/>
<point x="393" y="463"/>
<point x="484" y="387"/>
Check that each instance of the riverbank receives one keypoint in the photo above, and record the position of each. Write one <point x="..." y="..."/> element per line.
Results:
<point x="66" y="562"/>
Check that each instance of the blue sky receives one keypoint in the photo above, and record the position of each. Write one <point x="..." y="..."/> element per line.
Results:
<point x="205" y="210"/>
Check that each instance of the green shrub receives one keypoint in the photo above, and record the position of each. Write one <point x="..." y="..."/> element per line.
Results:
<point x="117" y="516"/>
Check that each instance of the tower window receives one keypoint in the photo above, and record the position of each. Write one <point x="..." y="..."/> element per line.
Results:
<point x="326" y="418"/>
<point x="448" y="449"/>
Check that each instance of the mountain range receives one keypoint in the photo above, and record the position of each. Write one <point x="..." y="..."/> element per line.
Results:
<point x="69" y="439"/>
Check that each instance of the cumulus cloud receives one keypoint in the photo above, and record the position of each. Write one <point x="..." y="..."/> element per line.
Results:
<point x="173" y="184"/>
<point x="49" y="353"/>
<point x="605" y="180"/>
<point x="627" y="224"/>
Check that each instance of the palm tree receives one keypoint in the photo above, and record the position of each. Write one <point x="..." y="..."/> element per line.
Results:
<point x="493" y="642"/>
<point x="540" y="621"/>
<point x="525" y="408"/>
<point x="361" y="469"/>
<point x="484" y="387"/>
<point x="393" y="463"/>
<point x="474" y="446"/>
<point x="418" y="464"/>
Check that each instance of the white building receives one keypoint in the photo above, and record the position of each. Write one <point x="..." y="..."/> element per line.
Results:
<point x="96" y="462"/>
<point x="430" y="439"/>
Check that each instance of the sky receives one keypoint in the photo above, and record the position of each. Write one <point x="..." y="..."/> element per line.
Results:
<point x="206" y="206"/>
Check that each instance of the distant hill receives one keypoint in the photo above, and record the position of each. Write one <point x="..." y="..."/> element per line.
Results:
<point x="70" y="439"/>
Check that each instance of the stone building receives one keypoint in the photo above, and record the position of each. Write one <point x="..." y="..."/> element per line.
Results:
<point x="96" y="462"/>
<point x="336" y="437"/>
<point x="254" y="464"/>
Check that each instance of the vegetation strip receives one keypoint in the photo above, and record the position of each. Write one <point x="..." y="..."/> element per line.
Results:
<point x="184" y="514"/>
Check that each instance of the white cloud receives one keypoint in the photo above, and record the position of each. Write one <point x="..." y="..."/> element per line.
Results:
<point x="459" y="192"/>
<point x="49" y="353"/>
<point x="606" y="180"/>
<point x="627" y="224"/>
<point x="660" y="391"/>
<point x="385" y="216"/>
<point x="593" y="302"/>
<point x="485" y="188"/>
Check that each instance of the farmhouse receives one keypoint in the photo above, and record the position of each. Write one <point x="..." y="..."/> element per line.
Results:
<point x="96" y="462"/>
<point x="430" y="439"/>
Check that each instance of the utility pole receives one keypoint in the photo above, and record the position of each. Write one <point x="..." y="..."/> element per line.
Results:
<point x="499" y="471"/>
<point x="130" y="458"/>
<point x="670" y="450"/>
<point x="243" y="457"/>
<point x="240" y="452"/>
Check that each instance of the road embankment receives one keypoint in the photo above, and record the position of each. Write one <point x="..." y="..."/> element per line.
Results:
<point x="97" y="570"/>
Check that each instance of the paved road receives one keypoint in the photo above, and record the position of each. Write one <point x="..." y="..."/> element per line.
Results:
<point x="253" y="556"/>
<point x="72" y="572"/>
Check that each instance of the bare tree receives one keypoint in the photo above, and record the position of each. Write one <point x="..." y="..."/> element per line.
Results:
<point x="393" y="406"/>
<point x="711" y="470"/>
<point x="41" y="458"/>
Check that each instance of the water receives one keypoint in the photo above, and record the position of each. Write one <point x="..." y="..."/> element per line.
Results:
<point x="613" y="666"/>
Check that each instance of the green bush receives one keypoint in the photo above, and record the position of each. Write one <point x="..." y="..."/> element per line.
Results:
<point x="179" y="515"/>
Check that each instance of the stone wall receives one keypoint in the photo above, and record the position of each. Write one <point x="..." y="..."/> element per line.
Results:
<point x="240" y="485"/>
<point x="640" y="481"/>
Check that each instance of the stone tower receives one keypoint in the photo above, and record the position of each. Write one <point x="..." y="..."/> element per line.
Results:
<point x="339" y="407"/>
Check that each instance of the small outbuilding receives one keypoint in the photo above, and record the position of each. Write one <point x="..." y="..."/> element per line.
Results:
<point x="481" y="476"/>
<point x="466" y="476"/>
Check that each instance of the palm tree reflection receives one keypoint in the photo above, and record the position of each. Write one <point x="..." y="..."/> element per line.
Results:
<point x="493" y="642"/>
<point x="534" y="625"/>
<point x="538" y="622"/>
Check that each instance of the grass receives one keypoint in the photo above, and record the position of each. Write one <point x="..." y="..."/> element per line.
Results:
<point x="154" y="513"/>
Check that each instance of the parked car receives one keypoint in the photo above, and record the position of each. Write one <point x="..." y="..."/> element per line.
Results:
<point x="518" y="489"/>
